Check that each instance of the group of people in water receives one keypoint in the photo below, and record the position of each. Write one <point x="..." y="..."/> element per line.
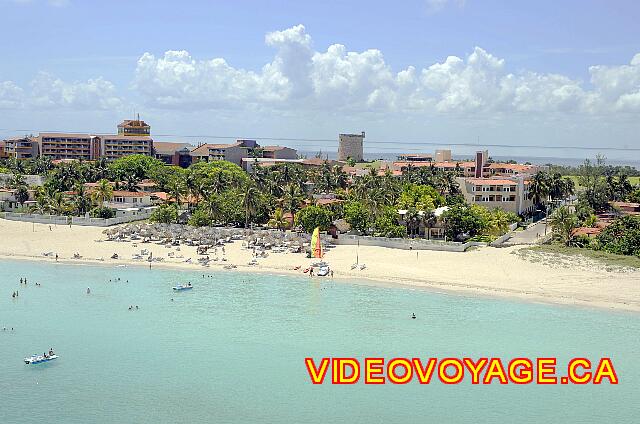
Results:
<point x="131" y="307"/>
<point x="23" y="281"/>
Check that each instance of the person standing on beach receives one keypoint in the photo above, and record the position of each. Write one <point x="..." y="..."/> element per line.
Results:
<point x="56" y="257"/>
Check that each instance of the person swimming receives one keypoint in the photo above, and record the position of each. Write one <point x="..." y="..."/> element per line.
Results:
<point x="88" y="290"/>
<point x="413" y="316"/>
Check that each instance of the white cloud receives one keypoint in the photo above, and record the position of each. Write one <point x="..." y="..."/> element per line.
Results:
<point x="11" y="96"/>
<point x="300" y="78"/>
<point x="434" y="6"/>
<point x="49" y="92"/>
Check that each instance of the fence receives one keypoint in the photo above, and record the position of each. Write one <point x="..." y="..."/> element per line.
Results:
<point x="76" y="220"/>
<point x="406" y="244"/>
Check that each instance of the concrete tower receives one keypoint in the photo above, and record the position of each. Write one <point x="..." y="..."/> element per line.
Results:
<point x="350" y="147"/>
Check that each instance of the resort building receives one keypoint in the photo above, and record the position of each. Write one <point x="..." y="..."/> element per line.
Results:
<point x="127" y="199"/>
<point x="9" y="202"/>
<point x="178" y="154"/>
<point x="417" y="157"/>
<point x="249" y="164"/>
<point x="132" y="138"/>
<point x="351" y="147"/>
<point x="279" y="152"/>
<point x="30" y="180"/>
<point x="116" y="146"/>
<point x="20" y="148"/>
<point x="134" y="127"/>
<point x="507" y="193"/>
<point x="69" y="146"/>
<point x="443" y="155"/>
<point x="233" y="152"/>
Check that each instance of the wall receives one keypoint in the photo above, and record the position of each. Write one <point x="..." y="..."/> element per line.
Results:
<point x="75" y="220"/>
<point x="406" y="244"/>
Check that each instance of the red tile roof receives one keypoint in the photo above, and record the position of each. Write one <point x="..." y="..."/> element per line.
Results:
<point x="490" y="181"/>
<point x="123" y="193"/>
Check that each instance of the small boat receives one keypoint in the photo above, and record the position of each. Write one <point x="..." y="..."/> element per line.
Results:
<point x="39" y="359"/>
<point x="181" y="287"/>
<point x="323" y="271"/>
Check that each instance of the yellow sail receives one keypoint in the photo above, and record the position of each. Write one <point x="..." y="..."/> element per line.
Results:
<point x="316" y="245"/>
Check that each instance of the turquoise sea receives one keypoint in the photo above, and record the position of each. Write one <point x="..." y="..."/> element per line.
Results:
<point x="232" y="350"/>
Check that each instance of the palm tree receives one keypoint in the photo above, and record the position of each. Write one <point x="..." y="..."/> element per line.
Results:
<point x="292" y="199"/>
<point x="177" y="189"/>
<point x="278" y="221"/>
<point x="563" y="222"/>
<point x="539" y="188"/>
<point x="250" y="202"/>
<point x="21" y="194"/>
<point x="59" y="204"/>
<point x="429" y="219"/>
<point x="103" y="192"/>
<point x="81" y="201"/>
<point x="499" y="222"/>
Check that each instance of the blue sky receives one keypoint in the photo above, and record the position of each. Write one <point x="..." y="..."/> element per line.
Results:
<point x="521" y="73"/>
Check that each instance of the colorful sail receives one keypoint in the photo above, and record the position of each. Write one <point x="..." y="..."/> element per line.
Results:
<point x="316" y="245"/>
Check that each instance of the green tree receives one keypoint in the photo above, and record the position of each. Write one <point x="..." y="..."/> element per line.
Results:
<point x="313" y="216"/>
<point x="103" y="212"/>
<point x="165" y="214"/>
<point x="357" y="216"/>
<point x="134" y="168"/>
<point x="462" y="220"/>
<point x="621" y="237"/>
<point x="386" y="224"/>
<point x="200" y="218"/>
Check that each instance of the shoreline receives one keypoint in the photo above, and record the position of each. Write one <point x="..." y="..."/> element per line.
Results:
<point x="446" y="288"/>
<point x="486" y="272"/>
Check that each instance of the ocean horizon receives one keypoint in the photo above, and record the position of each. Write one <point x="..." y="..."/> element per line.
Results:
<point x="232" y="349"/>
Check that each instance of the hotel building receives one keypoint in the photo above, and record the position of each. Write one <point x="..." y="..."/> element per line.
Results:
<point x="20" y="148"/>
<point x="233" y="152"/>
<point x="507" y="193"/>
<point x="132" y="138"/>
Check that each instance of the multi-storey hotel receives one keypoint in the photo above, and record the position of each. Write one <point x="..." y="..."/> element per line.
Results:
<point x="116" y="146"/>
<point x="508" y="193"/>
<point x="20" y="148"/>
<point x="132" y="138"/>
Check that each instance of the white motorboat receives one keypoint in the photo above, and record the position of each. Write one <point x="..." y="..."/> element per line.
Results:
<point x="182" y="287"/>
<point x="39" y="359"/>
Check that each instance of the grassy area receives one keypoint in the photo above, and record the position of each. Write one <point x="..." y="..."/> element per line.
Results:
<point x="603" y="257"/>
<point x="633" y="180"/>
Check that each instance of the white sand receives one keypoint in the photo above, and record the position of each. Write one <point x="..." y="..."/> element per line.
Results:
<point x="485" y="271"/>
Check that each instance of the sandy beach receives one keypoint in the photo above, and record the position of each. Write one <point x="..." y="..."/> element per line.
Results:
<point x="485" y="271"/>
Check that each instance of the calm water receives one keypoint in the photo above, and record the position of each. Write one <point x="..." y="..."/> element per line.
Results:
<point x="231" y="351"/>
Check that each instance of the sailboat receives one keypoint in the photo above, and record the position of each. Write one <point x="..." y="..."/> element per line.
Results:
<point x="316" y="245"/>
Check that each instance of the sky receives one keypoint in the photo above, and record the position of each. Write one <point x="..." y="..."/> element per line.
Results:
<point x="444" y="72"/>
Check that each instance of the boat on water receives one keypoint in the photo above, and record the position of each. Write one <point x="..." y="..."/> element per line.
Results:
<point x="182" y="287"/>
<point x="39" y="359"/>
